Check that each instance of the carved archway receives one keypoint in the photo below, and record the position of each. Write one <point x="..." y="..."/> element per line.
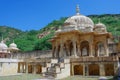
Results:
<point x="109" y="69"/>
<point x="71" y="48"/>
<point x="99" y="49"/>
<point x="29" y="68"/>
<point x="68" y="48"/>
<point x="38" y="69"/>
<point x="84" y="48"/>
<point x="94" y="69"/>
<point x="78" y="70"/>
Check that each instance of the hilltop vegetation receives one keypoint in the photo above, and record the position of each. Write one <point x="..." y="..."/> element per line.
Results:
<point x="38" y="39"/>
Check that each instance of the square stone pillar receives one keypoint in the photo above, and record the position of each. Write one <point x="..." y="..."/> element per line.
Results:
<point x="102" y="69"/>
<point x="26" y="67"/>
<point x="56" y="51"/>
<point x="115" y="68"/>
<point x="87" y="69"/>
<point x="72" y="69"/>
<point x="22" y="67"/>
<point x="84" y="70"/>
<point x="106" y="49"/>
<point x="68" y="49"/>
<point x="61" y="50"/>
<point x="79" y="52"/>
<point x="90" y="50"/>
<point x="34" y="69"/>
<point x="53" y="51"/>
<point x="18" y="67"/>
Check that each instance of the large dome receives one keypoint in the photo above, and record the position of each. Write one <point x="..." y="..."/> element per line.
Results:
<point x="79" y="21"/>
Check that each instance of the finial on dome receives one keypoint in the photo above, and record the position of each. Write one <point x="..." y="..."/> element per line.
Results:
<point x="77" y="9"/>
<point x="2" y="40"/>
<point x="13" y="41"/>
<point x="99" y="21"/>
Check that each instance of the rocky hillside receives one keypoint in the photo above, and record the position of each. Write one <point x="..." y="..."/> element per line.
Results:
<point x="38" y="39"/>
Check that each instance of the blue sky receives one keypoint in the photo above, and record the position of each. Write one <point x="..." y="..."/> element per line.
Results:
<point x="36" y="14"/>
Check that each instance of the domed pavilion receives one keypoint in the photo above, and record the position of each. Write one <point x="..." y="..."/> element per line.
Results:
<point x="5" y="51"/>
<point x="13" y="47"/>
<point x="79" y="36"/>
<point x="86" y="45"/>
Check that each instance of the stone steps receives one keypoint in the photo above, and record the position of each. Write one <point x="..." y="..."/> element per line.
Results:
<point x="55" y="69"/>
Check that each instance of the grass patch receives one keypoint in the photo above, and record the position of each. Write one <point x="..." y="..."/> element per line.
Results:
<point x="80" y="78"/>
<point x="21" y="77"/>
<point x="85" y="78"/>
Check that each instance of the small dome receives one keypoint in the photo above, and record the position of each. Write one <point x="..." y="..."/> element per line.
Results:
<point x="100" y="25"/>
<point x="13" y="45"/>
<point x="3" y="45"/>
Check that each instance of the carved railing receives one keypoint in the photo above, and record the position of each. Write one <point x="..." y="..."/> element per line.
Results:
<point x="94" y="59"/>
<point x="33" y="54"/>
<point x="40" y="60"/>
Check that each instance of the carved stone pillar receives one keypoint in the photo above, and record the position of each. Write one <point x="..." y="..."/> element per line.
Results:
<point x="98" y="53"/>
<point x="53" y="51"/>
<point x="61" y="49"/>
<point x="106" y="49"/>
<point x="26" y="67"/>
<point x="74" y="48"/>
<point x="90" y="50"/>
<point x="67" y="48"/>
<point x="56" y="50"/>
<point x="87" y="70"/>
<point x="34" y="69"/>
<point x="72" y="69"/>
<point x="22" y="67"/>
<point x="115" y="67"/>
<point x="79" y="52"/>
<point x="83" y="69"/>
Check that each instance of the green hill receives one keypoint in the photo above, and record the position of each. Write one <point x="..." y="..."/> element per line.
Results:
<point x="38" y="39"/>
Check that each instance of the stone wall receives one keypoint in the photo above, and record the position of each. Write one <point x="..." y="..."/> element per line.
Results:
<point x="8" y="67"/>
<point x="33" y="54"/>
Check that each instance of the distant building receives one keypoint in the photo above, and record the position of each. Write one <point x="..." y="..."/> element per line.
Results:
<point x="8" y="66"/>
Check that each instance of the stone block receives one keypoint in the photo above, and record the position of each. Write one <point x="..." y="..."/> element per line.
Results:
<point x="48" y="65"/>
<point x="62" y="65"/>
<point x="66" y="60"/>
<point x="57" y="70"/>
<point x="44" y="69"/>
<point x="54" y="60"/>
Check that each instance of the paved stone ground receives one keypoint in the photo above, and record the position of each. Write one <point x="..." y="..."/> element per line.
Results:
<point x="39" y="77"/>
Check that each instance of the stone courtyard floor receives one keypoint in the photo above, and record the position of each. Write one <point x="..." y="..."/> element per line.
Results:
<point x="39" y="77"/>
